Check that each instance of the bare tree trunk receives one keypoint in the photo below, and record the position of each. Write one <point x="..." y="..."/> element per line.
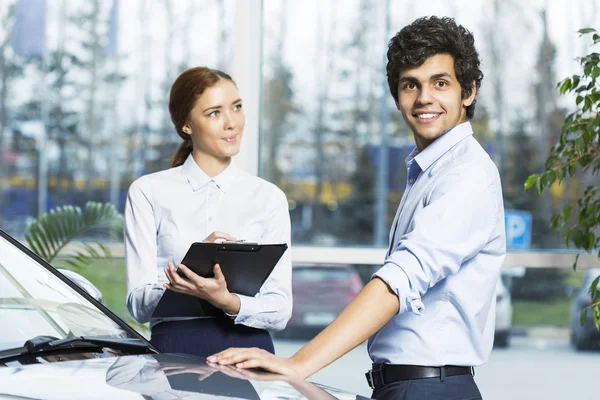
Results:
<point x="222" y="55"/>
<point x="277" y="120"/>
<point x="4" y="81"/>
<point x="361" y="43"/>
<point x="169" y="23"/>
<point x="166" y="131"/>
<point x="546" y="105"/>
<point x="56" y="107"/>
<point x="186" y="43"/>
<point x="144" y="83"/>
<point x="6" y="69"/>
<point x="318" y="219"/>
<point x="91" y="136"/>
<point x="497" y="58"/>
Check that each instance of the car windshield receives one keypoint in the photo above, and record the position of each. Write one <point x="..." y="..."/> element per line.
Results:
<point x="35" y="302"/>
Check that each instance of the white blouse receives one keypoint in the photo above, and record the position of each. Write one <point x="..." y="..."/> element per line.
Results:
<point x="168" y="210"/>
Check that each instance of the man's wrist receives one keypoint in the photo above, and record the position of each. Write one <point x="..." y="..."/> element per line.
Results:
<point x="302" y="367"/>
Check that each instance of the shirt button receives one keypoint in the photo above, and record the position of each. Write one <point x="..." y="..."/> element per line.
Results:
<point x="210" y="218"/>
<point x="411" y="180"/>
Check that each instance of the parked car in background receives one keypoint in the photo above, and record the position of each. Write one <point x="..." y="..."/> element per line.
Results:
<point x="321" y="292"/>
<point x="57" y="341"/>
<point x="586" y="336"/>
<point x="504" y="314"/>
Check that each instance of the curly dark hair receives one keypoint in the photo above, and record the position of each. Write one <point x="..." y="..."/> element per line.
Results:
<point x="429" y="36"/>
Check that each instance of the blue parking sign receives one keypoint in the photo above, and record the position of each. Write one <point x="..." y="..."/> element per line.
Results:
<point x="518" y="229"/>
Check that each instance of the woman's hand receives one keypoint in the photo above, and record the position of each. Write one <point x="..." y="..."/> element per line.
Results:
<point x="245" y="358"/>
<point x="214" y="290"/>
<point x="217" y="237"/>
<point x="171" y="369"/>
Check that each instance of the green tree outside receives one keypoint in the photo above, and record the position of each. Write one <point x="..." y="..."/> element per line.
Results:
<point x="578" y="151"/>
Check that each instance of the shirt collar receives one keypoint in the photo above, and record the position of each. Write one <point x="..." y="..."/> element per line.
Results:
<point x="441" y="145"/>
<point x="198" y="178"/>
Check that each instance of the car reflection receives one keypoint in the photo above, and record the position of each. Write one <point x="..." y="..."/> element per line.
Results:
<point x="160" y="376"/>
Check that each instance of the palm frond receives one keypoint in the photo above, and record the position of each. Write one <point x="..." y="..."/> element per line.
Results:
<point x="48" y="235"/>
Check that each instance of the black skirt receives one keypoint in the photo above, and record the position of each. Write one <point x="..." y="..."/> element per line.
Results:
<point x="207" y="336"/>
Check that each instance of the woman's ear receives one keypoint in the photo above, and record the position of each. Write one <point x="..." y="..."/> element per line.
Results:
<point x="187" y="129"/>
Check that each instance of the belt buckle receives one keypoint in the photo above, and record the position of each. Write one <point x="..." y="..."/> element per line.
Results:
<point x="370" y="379"/>
<point x="369" y="376"/>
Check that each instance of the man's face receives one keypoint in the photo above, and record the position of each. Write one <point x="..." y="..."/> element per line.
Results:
<point x="429" y="98"/>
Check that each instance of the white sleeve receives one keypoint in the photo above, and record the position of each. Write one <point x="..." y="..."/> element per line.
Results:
<point x="143" y="288"/>
<point x="271" y="308"/>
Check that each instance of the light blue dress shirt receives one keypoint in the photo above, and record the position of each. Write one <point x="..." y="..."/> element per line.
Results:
<point x="447" y="245"/>
<point x="168" y="210"/>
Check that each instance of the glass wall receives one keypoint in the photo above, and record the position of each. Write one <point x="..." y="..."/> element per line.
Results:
<point x="83" y="112"/>
<point x="84" y="94"/>
<point x="334" y="141"/>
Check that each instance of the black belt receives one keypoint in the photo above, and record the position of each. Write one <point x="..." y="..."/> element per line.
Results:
<point x="386" y="373"/>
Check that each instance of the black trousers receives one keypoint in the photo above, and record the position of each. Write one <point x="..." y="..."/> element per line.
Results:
<point x="457" y="387"/>
<point x="206" y="336"/>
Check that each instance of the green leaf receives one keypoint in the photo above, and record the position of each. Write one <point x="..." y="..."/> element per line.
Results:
<point x="566" y="236"/>
<point x="48" y="235"/>
<point x="579" y="145"/>
<point x="530" y="181"/>
<point x="583" y="316"/>
<point x="538" y="185"/>
<point x="584" y="31"/>
<point x="566" y="85"/>
<point x="567" y="211"/>
<point x="591" y="239"/>
<point x="594" y="285"/>
<point x="587" y="70"/>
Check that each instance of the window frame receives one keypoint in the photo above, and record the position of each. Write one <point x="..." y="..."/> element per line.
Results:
<point x="247" y="70"/>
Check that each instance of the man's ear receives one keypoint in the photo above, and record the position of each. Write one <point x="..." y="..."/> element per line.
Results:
<point x="467" y="101"/>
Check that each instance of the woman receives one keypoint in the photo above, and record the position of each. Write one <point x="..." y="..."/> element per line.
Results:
<point x="205" y="196"/>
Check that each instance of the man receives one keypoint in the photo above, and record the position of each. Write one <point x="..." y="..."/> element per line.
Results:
<point x="429" y="311"/>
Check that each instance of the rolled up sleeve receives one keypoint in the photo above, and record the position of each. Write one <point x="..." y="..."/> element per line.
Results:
<point x="454" y="225"/>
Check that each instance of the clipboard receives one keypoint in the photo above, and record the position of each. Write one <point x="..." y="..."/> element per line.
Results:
<point x="246" y="266"/>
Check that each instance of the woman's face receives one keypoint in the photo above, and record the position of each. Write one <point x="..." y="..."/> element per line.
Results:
<point x="216" y="123"/>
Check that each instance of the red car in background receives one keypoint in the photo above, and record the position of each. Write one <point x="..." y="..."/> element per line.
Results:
<point x="321" y="292"/>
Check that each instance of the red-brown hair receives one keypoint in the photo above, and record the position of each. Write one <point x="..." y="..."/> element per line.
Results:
<point x="185" y="91"/>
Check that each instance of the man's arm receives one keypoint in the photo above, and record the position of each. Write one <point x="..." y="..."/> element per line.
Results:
<point x="374" y="307"/>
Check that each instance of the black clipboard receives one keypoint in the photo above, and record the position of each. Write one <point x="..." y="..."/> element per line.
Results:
<point x="246" y="266"/>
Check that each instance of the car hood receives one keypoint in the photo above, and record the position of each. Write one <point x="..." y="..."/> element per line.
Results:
<point x="156" y="376"/>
